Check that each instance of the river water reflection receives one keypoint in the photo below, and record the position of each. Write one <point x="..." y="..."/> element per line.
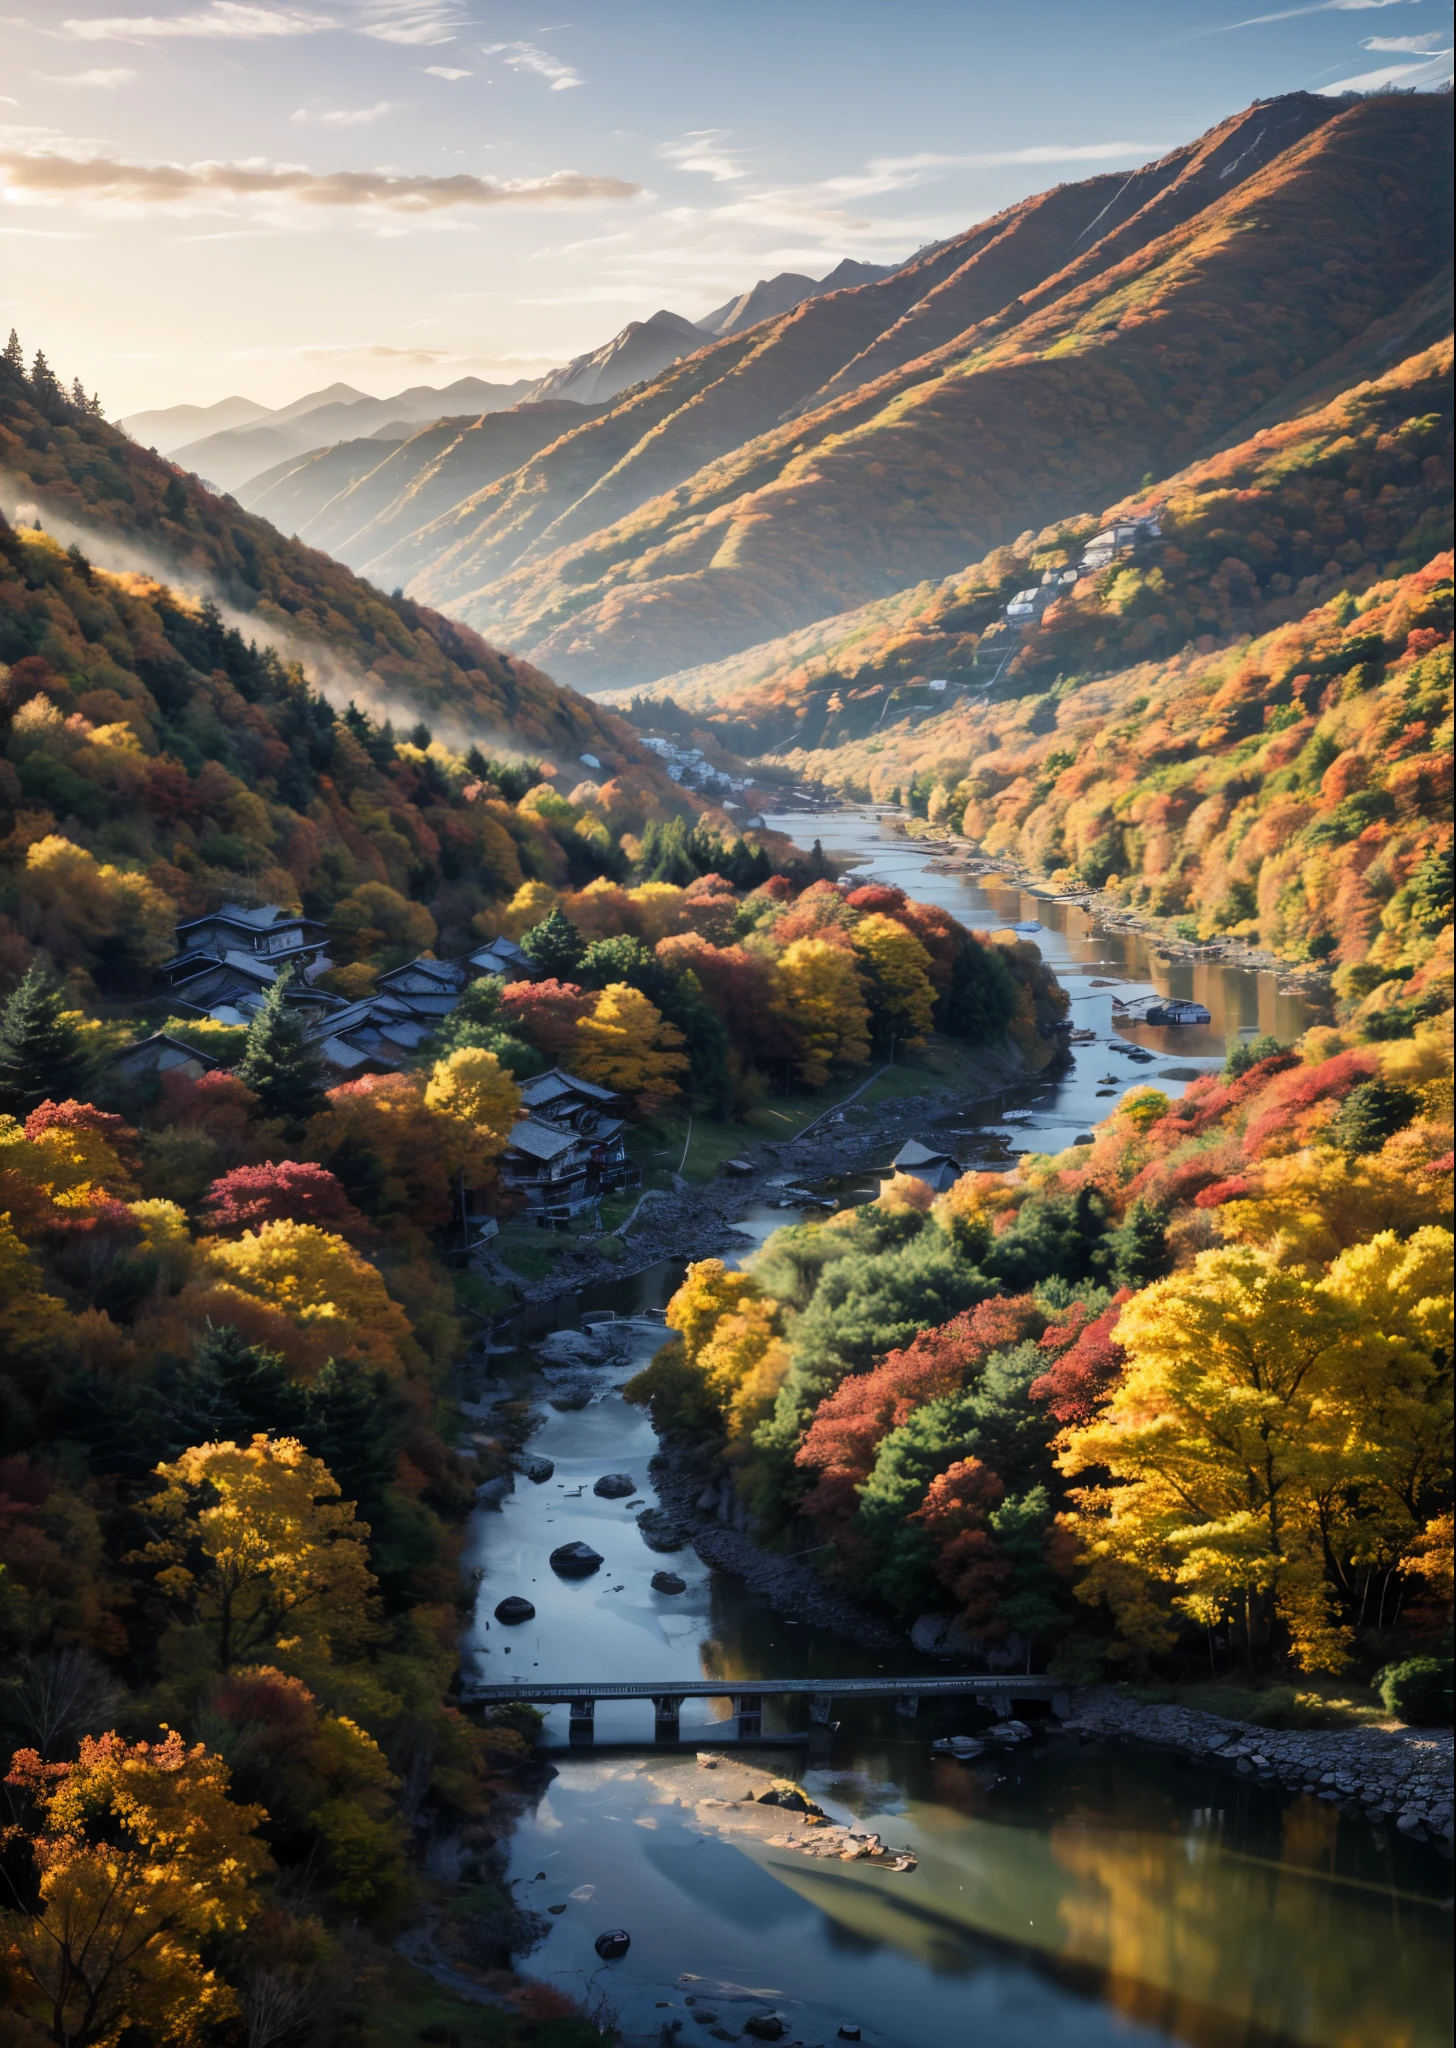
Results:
<point x="1066" y="1892"/>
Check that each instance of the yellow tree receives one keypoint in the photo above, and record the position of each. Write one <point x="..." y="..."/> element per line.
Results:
<point x="255" y="1546"/>
<point x="142" y="1862"/>
<point x="1268" y="1425"/>
<point x="1310" y="1206"/>
<point x="320" y="1283"/>
<point x="896" y="971"/>
<point x="819" y="992"/>
<point x="473" y="1087"/>
<point x="624" y="1043"/>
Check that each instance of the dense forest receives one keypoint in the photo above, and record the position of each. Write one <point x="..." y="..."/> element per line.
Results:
<point x="1175" y="1400"/>
<point x="233" y="1480"/>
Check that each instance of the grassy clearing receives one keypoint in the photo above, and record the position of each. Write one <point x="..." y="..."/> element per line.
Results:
<point x="664" y="1147"/>
<point x="1315" y="1703"/>
<point x="406" y="2007"/>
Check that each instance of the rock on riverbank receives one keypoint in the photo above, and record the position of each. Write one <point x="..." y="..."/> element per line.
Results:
<point x="1398" y="1775"/>
<point x="789" y="1584"/>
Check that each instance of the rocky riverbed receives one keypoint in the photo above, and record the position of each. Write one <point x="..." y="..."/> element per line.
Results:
<point x="1400" y="1775"/>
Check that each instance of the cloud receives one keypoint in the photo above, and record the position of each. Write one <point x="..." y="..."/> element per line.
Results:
<point x="526" y="57"/>
<point x="1429" y="73"/>
<point x="1414" y="45"/>
<point x="52" y="173"/>
<point x="896" y="173"/>
<point x="446" y="71"/>
<point x="1294" y="13"/>
<point x="412" y="22"/>
<point x="223" y="20"/>
<point x="698" y="151"/>
<point x="106" y="81"/>
<point x="346" y="117"/>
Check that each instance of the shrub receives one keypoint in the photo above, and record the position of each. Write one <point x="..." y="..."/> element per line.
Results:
<point x="1419" y="1690"/>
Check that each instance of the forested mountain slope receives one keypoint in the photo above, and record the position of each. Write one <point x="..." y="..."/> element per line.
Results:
<point x="362" y="499"/>
<point x="1130" y="371"/>
<point x="77" y="468"/>
<point x="1254" y="536"/>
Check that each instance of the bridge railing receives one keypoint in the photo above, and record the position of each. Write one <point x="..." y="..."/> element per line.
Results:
<point x="746" y="1697"/>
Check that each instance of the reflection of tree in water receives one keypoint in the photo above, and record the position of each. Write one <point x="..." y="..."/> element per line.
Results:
<point x="1226" y="1950"/>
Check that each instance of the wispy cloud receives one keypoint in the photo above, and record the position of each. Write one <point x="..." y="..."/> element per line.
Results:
<point x="221" y="20"/>
<point x="526" y="57"/>
<point x="1412" y="45"/>
<point x="53" y="173"/>
<point x="1294" y="13"/>
<point x="699" y="150"/>
<point x="412" y="22"/>
<point x="446" y="71"/>
<point x="346" y="117"/>
<point x="1432" y="72"/>
<point x="897" y="173"/>
<point x="104" y="81"/>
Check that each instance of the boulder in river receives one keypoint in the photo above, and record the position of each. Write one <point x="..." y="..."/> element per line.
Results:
<point x="668" y="1582"/>
<point x="514" y="1609"/>
<point x="570" y="1347"/>
<point x="660" y="1531"/>
<point x="764" y="2026"/>
<point x="613" y="1944"/>
<point x="575" y="1394"/>
<point x="537" y="1470"/>
<point x="615" y="1486"/>
<point x="575" y="1560"/>
<point x="493" y="1491"/>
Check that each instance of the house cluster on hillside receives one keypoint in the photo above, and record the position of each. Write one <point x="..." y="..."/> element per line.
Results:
<point x="227" y="961"/>
<point x="1111" y="545"/>
<point x="691" y="767"/>
<point x="569" y="1147"/>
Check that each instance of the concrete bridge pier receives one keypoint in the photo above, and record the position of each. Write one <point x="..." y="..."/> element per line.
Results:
<point x="581" y="1725"/>
<point x="748" y="1706"/>
<point x="668" y="1709"/>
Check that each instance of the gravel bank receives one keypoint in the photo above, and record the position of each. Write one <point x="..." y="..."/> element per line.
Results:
<point x="1403" y="1775"/>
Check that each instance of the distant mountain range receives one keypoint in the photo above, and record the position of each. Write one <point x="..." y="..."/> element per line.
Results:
<point x="885" y="431"/>
<point x="235" y="441"/>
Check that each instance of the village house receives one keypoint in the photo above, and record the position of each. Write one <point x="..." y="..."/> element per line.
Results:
<point x="570" y="1147"/>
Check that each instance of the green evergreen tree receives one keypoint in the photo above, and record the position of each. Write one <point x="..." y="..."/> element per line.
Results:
<point x="14" y="355"/>
<point x="1369" y="1115"/>
<point x="981" y="1000"/>
<point x="555" y="946"/>
<point x="1138" y="1251"/>
<point x="283" y="1070"/>
<point x="41" y="1053"/>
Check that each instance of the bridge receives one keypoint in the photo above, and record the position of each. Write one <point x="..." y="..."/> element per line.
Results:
<point x="747" y="1696"/>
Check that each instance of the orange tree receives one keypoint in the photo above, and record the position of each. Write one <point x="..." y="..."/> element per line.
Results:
<point x="138" y="1861"/>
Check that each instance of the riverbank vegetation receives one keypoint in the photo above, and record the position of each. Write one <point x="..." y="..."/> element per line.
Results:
<point x="1176" y="1401"/>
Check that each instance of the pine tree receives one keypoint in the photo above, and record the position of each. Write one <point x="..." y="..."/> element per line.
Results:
<point x="555" y="945"/>
<point x="78" y="395"/>
<point x="280" y="1066"/>
<point x="14" y="355"/>
<point x="41" y="1054"/>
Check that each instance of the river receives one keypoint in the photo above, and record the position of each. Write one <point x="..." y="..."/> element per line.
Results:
<point x="1067" y="1892"/>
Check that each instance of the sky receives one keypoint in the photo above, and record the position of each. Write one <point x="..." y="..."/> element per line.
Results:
<point x="203" y="197"/>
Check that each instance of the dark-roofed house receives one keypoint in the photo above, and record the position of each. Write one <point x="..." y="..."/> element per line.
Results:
<point x="939" y="1170"/>
<point x="564" y="1098"/>
<point x="427" y="988"/>
<point x="505" y="958"/>
<point x="570" y="1147"/>
<point x="227" y="961"/>
<point x="149" y="1058"/>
